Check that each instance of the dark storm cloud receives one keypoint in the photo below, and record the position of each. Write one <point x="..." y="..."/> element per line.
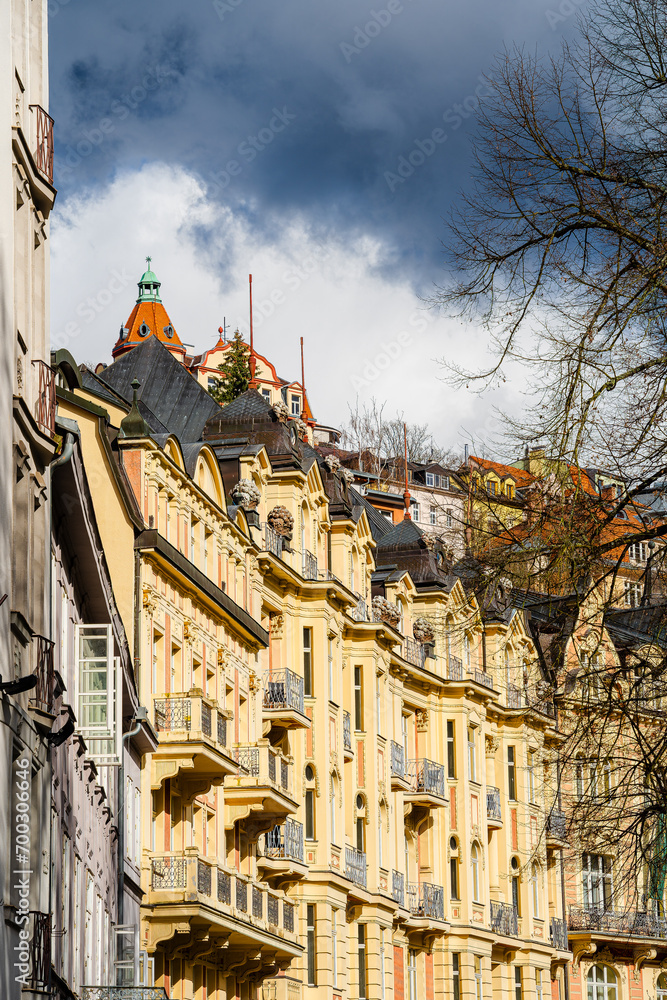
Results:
<point x="356" y="115"/>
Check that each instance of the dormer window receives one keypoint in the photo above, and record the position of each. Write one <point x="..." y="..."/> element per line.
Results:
<point x="430" y="479"/>
<point x="296" y="406"/>
<point x="144" y="330"/>
<point x="168" y="331"/>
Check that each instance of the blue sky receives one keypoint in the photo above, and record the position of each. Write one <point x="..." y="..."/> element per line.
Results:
<point x="319" y="146"/>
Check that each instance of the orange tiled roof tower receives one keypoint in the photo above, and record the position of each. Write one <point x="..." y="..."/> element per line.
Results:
<point x="149" y="318"/>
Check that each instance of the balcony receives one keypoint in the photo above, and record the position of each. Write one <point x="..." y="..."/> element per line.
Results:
<point x="539" y="699"/>
<point x="481" y="677"/>
<point x="558" y="934"/>
<point x="400" y="781"/>
<point x="43" y="695"/>
<point x="504" y="919"/>
<point x="283" y="700"/>
<point x="398" y="888"/>
<point x="355" y="866"/>
<point x="280" y="852"/>
<point x="348" y="752"/>
<point x="455" y="670"/>
<point x="39" y="927"/>
<point x="494" y="816"/>
<point x="556" y="829"/>
<point x="123" y="993"/>
<point x="309" y="566"/>
<point x="360" y="612"/>
<point x="426" y="900"/>
<point x="612" y="923"/>
<point x="514" y="696"/>
<point x="192" y="735"/>
<point x="273" y="542"/>
<point x="414" y="652"/>
<point x="260" y="794"/>
<point x="43" y="151"/>
<point x="45" y="398"/>
<point x="426" y="784"/>
<point x="232" y="910"/>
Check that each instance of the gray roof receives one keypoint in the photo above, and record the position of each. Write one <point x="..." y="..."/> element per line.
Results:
<point x="168" y="391"/>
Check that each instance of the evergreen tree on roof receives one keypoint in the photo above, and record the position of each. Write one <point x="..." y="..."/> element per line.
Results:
<point x="235" y="372"/>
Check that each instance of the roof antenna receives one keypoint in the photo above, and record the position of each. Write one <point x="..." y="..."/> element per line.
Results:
<point x="303" y="377"/>
<point x="406" y="494"/>
<point x="252" y="347"/>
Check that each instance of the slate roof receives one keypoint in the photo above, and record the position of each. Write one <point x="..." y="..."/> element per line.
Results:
<point x="168" y="391"/>
<point x="379" y="525"/>
<point x="251" y="418"/>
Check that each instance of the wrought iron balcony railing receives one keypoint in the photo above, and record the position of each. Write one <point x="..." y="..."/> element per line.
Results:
<point x="284" y="841"/>
<point x="347" y="731"/>
<point x="397" y="758"/>
<point x="634" y="923"/>
<point x="557" y="824"/>
<point x="480" y="677"/>
<point x="182" y="713"/>
<point x="123" y="993"/>
<point x="426" y="900"/>
<point x="426" y="776"/>
<point x="273" y="542"/>
<point x="504" y="919"/>
<point x="398" y="887"/>
<point x="266" y="763"/>
<point x="414" y="652"/>
<point x="539" y="697"/>
<point x="455" y="669"/>
<point x="45" y="400"/>
<point x="195" y="876"/>
<point x="283" y="689"/>
<point x="44" y="146"/>
<point x="355" y="866"/>
<point x="514" y="696"/>
<point x="558" y="933"/>
<point x="493" y="810"/>
<point x="40" y="950"/>
<point x="43" y="695"/>
<point x="360" y="612"/>
<point x="309" y="565"/>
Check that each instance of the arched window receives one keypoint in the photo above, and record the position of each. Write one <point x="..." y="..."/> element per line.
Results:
<point x="535" y="885"/>
<point x="454" y="868"/>
<point x="309" y="803"/>
<point x="602" y="983"/>
<point x="662" y="987"/>
<point x="467" y="656"/>
<point x="474" y="869"/>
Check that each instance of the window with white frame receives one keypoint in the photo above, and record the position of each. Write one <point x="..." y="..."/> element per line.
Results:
<point x="597" y="882"/>
<point x="535" y="885"/>
<point x="98" y="693"/>
<point x="433" y="515"/>
<point x="474" y="872"/>
<point x="412" y="974"/>
<point x="638" y="552"/>
<point x="334" y="945"/>
<point x="448" y="517"/>
<point x="296" y="406"/>
<point x="632" y="593"/>
<point x="477" y="966"/>
<point x="414" y="511"/>
<point x="531" y="776"/>
<point x="539" y="990"/>
<point x="472" y="753"/>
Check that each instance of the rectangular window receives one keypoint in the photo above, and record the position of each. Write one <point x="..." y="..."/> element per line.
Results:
<point x="448" y="518"/>
<point x="98" y="695"/>
<point x="358" y="700"/>
<point x="308" y="662"/>
<point x="378" y="704"/>
<point x="296" y="406"/>
<point x="511" y="774"/>
<point x="518" y="992"/>
<point x="310" y="937"/>
<point x="361" y="952"/>
<point x="433" y="515"/>
<point x="639" y="551"/>
<point x="267" y="395"/>
<point x="430" y="479"/>
<point x="444" y="482"/>
<point x="382" y="964"/>
<point x="454" y="878"/>
<point x="414" y="511"/>
<point x="334" y="946"/>
<point x="330" y="661"/>
<point x="456" y="976"/>
<point x="491" y="487"/>
<point x="472" y="754"/>
<point x="310" y="814"/>
<point x="632" y="594"/>
<point x="451" y="750"/>
<point x="477" y="964"/>
<point x="539" y="993"/>
<point x="412" y="974"/>
<point x="597" y="882"/>
<point x="531" y="776"/>
<point x="193" y="538"/>
<point x="516" y="893"/>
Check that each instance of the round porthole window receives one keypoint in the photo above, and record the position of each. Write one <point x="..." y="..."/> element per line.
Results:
<point x="310" y="774"/>
<point x="144" y="330"/>
<point x="169" y="331"/>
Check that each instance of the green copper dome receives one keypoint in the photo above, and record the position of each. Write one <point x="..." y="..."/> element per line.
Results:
<point x="149" y="286"/>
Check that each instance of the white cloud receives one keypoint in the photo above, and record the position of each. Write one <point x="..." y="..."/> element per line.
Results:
<point x="362" y="335"/>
